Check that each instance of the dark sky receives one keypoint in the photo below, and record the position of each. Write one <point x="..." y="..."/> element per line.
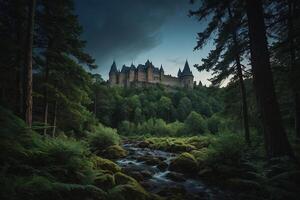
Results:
<point x="136" y="30"/>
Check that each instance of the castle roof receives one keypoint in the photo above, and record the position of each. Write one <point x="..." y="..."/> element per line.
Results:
<point x="113" y="68"/>
<point x="161" y="68"/>
<point x="125" y="69"/>
<point x="186" y="70"/>
<point x="179" y="72"/>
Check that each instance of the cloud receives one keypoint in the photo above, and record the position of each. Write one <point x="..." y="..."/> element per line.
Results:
<point x="123" y="29"/>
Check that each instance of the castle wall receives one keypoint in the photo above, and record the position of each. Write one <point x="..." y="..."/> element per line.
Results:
<point x="170" y="81"/>
<point x="141" y="76"/>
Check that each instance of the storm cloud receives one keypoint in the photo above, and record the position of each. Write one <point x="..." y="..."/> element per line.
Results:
<point x="123" y="29"/>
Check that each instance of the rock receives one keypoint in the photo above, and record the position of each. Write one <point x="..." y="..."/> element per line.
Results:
<point x="121" y="179"/>
<point x="176" y="148"/>
<point x="177" y="177"/>
<point x="146" y="174"/>
<point x="105" y="164"/>
<point x="128" y="192"/>
<point x="207" y="172"/>
<point x="184" y="163"/>
<point x="115" y="152"/>
<point x="127" y="189"/>
<point x="172" y="191"/>
<point x="150" y="160"/>
<point x="136" y="175"/>
<point x="143" y="144"/>
<point x="105" y="181"/>
<point x="162" y="166"/>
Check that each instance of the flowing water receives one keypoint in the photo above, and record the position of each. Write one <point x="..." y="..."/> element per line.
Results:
<point x="162" y="181"/>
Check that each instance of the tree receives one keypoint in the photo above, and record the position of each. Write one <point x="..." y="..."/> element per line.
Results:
<point x="184" y="108"/>
<point x="59" y="37"/>
<point x="283" y="20"/>
<point x="276" y="141"/>
<point x="231" y="42"/>
<point x="28" y="69"/>
<point x="195" y="124"/>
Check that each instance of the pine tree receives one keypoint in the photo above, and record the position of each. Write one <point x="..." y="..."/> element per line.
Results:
<point x="59" y="35"/>
<point x="231" y="45"/>
<point x="28" y="63"/>
<point x="276" y="140"/>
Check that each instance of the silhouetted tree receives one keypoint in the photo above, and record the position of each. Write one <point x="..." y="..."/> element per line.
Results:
<point x="276" y="140"/>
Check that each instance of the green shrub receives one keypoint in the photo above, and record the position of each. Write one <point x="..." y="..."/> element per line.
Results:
<point x="102" y="137"/>
<point x="227" y="148"/>
<point x="195" y="124"/>
<point x="213" y="124"/>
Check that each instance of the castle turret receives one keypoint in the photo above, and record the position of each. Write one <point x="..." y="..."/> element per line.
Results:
<point x="179" y="73"/>
<point x="161" y="72"/>
<point x="149" y="68"/>
<point x="113" y="74"/>
<point x="187" y="77"/>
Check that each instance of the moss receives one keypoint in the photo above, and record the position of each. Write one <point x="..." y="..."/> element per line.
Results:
<point x="128" y="192"/>
<point x="105" y="181"/>
<point x="201" y="155"/>
<point x="121" y="179"/>
<point x="185" y="163"/>
<point x="127" y="188"/>
<point x="115" y="152"/>
<point x="105" y="164"/>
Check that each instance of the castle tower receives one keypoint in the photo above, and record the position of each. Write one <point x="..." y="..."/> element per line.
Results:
<point x="149" y="71"/>
<point x="179" y="73"/>
<point x="123" y="77"/>
<point x="187" y="77"/>
<point x="161" y="73"/>
<point x="113" y="74"/>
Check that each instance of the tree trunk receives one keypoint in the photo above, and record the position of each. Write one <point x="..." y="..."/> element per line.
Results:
<point x="28" y="72"/>
<point x="293" y="67"/>
<point x="19" y="63"/>
<point x="276" y="141"/>
<point x="241" y="82"/>
<point x="54" y="118"/>
<point x="46" y="104"/>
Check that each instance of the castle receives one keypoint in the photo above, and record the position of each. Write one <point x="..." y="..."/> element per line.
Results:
<point x="148" y="74"/>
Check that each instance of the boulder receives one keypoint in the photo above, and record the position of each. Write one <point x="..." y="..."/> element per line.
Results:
<point x="184" y="163"/>
<point x="115" y="152"/>
<point x="128" y="192"/>
<point x="177" y="177"/>
<point x="105" y="182"/>
<point x="143" y="144"/>
<point x="162" y="166"/>
<point x="105" y="164"/>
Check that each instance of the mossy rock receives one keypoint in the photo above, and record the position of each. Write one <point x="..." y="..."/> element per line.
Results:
<point x="105" y="181"/>
<point x="127" y="188"/>
<point x="106" y="165"/>
<point x="184" y="163"/>
<point x="115" y="152"/>
<point x="180" y="147"/>
<point x="122" y="179"/>
<point x="201" y="156"/>
<point x="128" y="192"/>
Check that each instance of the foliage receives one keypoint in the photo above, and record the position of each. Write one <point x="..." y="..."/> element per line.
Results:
<point x="102" y="137"/>
<point x="195" y="124"/>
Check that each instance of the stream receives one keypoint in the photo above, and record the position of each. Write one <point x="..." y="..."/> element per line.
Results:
<point x="150" y="168"/>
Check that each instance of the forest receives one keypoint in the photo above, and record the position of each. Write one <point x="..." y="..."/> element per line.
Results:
<point x="65" y="133"/>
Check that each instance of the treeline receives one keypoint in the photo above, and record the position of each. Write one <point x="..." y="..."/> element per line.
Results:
<point x="241" y="30"/>
<point x="138" y="105"/>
